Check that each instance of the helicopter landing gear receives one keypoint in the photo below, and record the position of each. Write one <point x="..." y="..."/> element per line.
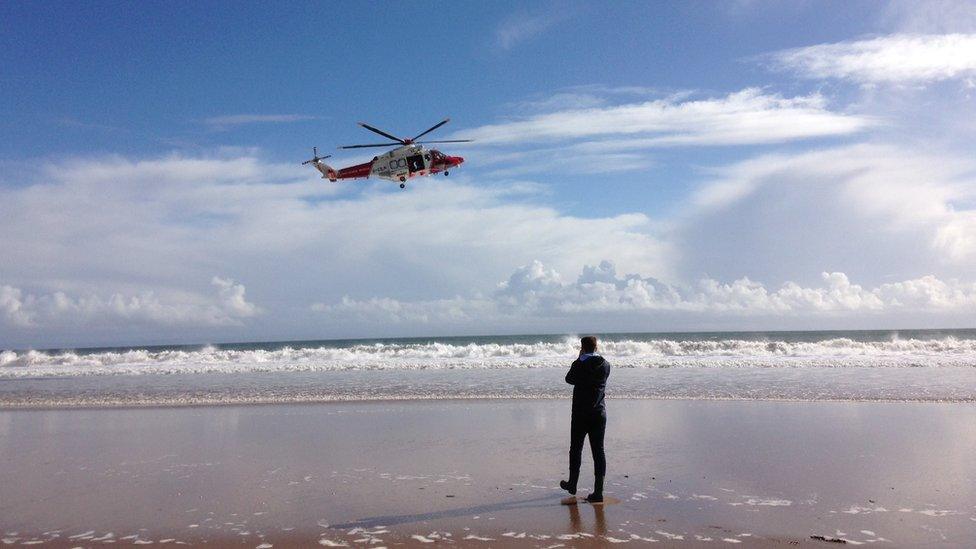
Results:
<point x="403" y="185"/>
<point x="446" y="173"/>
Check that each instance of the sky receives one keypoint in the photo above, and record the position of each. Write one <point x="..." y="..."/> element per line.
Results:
<point x="670" y="166"/>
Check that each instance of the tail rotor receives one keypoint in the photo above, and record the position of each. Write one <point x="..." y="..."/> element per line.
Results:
<point x="315" y="157"/>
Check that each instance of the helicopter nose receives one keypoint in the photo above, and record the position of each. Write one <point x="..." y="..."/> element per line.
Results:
<point x="457" y="160"/>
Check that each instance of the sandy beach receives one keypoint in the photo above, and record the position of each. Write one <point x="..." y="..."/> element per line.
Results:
<point x="484" y="473"/>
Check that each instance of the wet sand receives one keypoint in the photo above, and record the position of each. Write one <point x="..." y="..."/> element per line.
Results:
<point x="483" y="473"/>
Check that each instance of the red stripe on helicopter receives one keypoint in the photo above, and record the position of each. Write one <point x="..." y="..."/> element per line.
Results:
<point x="355" y="172"/>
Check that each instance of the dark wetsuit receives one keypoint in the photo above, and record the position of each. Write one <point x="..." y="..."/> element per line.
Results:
<point x="589" y="379"/>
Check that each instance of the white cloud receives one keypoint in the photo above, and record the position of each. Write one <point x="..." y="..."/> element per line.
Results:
<point x="749" y="116"/>
<point x="875" y="210"/>
<point x="896" y="58"/>
<point x="535" y="290"/>
<point x="12" y="306"/>
<point x="386" y="310"/>
<point x="232" y="298"/>
<point x="600" y="289"/>
<point x="928" y="292"/>
<point x="563" y="161"/>
<point x="560" y="101"/>
<point x="931" y="17"/>
<point x="522" y="26"/>
<point x="58" y="309"/>
<point x="587" y="96"/>
<point x="229" y="120"/>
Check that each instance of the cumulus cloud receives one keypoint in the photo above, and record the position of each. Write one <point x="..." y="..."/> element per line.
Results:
<point x="749" y="116"/>
<point x="896" y="58"/>
<point x="600" y="289"/>
<point x="542" y="292"/>
<point x="12" y="306"/>
<point x="57" y="309"/>
<point x="232" y="300"/>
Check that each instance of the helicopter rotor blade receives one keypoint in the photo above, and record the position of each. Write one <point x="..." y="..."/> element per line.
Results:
<point x="446" y="141"/>
<point x="371" y="145"/>
<point x="383" y="133"/>
<point x="432" y="128"/>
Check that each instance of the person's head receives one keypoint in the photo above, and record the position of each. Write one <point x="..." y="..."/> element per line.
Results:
<point x="588" y="344"/>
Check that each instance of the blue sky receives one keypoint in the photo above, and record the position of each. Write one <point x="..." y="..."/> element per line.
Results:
<point x="729" y="161"/>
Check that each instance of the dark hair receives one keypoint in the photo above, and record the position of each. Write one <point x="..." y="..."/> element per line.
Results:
<point x="588" y="343"/>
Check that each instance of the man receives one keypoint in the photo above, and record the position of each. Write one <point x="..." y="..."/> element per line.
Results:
<point x="588" y="376"/>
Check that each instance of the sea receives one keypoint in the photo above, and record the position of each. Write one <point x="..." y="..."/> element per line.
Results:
<point x="886" y="365"/>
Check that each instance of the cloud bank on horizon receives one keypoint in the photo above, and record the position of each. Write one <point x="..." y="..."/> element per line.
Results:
<point x="29" y="310"/>
<point x="835" y="190"/>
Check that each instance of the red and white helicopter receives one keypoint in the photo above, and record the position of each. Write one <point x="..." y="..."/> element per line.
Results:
<point x="409" y="159"/>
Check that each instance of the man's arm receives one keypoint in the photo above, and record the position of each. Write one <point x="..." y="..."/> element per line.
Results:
<point x="573" y="376"/>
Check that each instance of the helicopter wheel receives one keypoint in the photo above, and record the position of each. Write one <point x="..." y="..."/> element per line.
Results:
<point x="403" y="186"/>
<point x="446" y="174"/>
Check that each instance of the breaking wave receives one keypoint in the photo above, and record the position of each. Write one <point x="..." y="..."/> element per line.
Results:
<point x="659" y="353"/>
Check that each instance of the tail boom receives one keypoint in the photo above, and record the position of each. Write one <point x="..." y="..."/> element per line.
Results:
<point x="327" y="171"/>
<point x="358" y="171"/>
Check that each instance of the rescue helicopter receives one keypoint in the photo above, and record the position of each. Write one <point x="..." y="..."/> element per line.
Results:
<point x="409" y="159"/>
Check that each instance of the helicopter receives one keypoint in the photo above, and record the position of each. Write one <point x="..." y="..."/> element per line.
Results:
<point x="409" y="159"/>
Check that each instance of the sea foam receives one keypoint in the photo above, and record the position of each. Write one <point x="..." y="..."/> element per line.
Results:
<point x="626" y="353"/>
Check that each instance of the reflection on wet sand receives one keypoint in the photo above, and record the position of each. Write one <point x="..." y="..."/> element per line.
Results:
<point x="599" y="519"/>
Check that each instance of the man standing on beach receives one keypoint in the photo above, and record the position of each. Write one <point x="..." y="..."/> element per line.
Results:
<point x="588" y="376"/>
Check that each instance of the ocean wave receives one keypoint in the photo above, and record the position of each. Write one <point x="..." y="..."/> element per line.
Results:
<point x="661" y="353"/>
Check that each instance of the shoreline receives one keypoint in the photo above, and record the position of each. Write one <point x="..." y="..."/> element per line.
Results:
<point x="949" y="384"/>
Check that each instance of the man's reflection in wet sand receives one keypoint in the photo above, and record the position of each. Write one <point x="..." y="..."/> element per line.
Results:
<point x="600" y="524"/>
<point x="599" y="519"/>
